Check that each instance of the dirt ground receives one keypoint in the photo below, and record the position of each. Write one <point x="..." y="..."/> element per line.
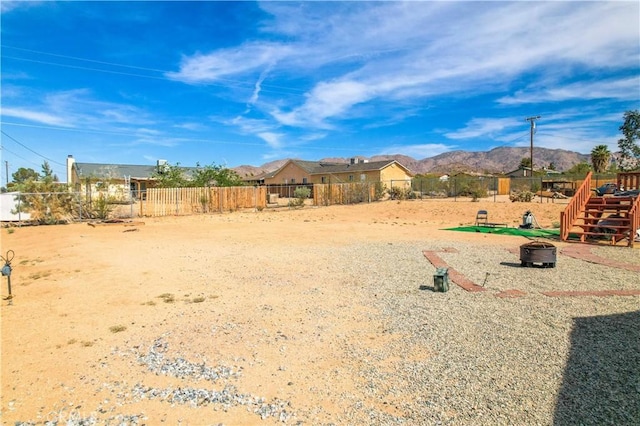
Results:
<point x="233" y="290"/>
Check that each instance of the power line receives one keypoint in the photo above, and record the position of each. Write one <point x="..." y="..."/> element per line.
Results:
<point x="223" y="82"/>
<point x="17" y="155"/>
<point x="29" y="149"/>
<point x="4" y="46"/>
<point x="219" y="142"/>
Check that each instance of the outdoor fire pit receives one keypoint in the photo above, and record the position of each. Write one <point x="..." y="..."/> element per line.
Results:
<point x="538" y="252"/>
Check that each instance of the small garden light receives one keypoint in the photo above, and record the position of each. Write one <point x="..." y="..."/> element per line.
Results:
<point x="6" y="271"/>
<point x="441" y="280"/>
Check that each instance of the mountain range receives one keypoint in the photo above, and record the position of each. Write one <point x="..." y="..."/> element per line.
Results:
<point x="497" y="160"/>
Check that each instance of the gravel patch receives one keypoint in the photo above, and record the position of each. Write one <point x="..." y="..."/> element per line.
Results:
<point x="627" y="255"/>
<point x="471" y="358"/>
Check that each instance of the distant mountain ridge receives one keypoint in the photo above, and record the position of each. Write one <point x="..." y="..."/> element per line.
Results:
<point x="497" y="160"/>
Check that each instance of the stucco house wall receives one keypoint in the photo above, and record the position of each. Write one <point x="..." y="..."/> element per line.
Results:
<point x="290" y="173"/>
<point x="396" y="175"/>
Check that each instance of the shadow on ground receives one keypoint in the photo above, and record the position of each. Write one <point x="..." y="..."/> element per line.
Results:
<point x="601" y="383"/>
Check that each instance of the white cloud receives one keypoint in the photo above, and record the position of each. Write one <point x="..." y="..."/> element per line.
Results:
<point x="36" y="116"/>
<point x="486" y="127"/>
<point x="274" y="140"/>
<point x="384" y="54"/>
<point x="204" y="68"/>
<point x="77" y="108"/>
<point x="619" y="89"/>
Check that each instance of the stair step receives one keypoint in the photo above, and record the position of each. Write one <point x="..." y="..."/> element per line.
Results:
<point x="603" y="234"/>
<point x="595" y="219"/>
<point x="594" y="226"/>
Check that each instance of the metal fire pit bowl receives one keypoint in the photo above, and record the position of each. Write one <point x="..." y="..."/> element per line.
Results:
<point x="538" y="252"/>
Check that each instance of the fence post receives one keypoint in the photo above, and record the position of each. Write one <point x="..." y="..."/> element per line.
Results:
<point x="540" y="189"/>
<point x="455" y="189"/>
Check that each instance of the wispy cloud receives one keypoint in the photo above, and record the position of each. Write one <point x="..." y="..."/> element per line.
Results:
<point x="77" y="108"/>
<point x="485" y="127"/>
<point x="274" y="140"/>
<point x="36" y="116"/>
<point x="618" y="89"/>
<point x="203" y="68"/>
<point x="418" y="151"/>
<point x="446" y="56"/>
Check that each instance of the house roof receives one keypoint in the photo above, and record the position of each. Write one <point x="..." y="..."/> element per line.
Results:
<point x="320" y="168"/>
<point x="100" y="170"/>
<point x="119" y="171"/>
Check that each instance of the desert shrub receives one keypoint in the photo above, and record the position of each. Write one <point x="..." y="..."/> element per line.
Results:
<point x="379" y="191"/>
<point x="300" y="195"/>
<point x="477" y="193"/>
<point x="102" y="207"/>
<point x="399" y="193"/>
<point x="522" y="196"/>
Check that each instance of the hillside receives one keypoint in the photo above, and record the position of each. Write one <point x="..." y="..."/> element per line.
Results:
<point x="498" y="160"/>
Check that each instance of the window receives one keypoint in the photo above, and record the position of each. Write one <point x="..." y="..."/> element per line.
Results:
<point x="363" y="177"/>
<point x="304" y="180"/>
<point x="350" y="178"/>
<point x="323" y="179"/>
<point x="293" y="181"/>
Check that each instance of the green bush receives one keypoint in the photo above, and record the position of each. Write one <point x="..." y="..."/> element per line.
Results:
<point x="102" y="207"/>
<point x="300" y="194"/>
<point x="399" y="193"/>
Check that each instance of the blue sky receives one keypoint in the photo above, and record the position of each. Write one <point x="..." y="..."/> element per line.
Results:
<point x="235" y="83"/>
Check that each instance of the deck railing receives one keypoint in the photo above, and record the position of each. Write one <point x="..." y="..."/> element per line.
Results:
<point x="634" y="220"/>
<point x="575" y="207"/>
<point x="629" y="181"/>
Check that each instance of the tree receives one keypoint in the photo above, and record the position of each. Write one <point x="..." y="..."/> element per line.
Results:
<point x="579" y="169"/>
<point x="600" y="156"/>
<point x="215" y="176"/>
<point x="47" y="173"/>
<point x="630" y="144"/>
<point x="23" y="175"/>
<point x="525" y="162"/>
<point x="47" y="201"/>
<point x="168" y="176"/>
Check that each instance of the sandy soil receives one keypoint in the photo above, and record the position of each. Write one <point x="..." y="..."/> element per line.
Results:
<point x="241" y="290"/>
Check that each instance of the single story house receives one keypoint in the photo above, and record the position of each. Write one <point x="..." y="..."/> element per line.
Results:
<point x="318" y="172"/>
<point x="521" y="171"/>
<point x="116" y="179"/>
<point x="524" y="171"/>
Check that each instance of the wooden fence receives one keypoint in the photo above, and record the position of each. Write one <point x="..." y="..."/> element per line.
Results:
<point x="186" y="201"/>
<point x="346" y="193"/>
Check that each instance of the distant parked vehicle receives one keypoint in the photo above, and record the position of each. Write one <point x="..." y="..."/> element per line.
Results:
<point x="607" y="188"/>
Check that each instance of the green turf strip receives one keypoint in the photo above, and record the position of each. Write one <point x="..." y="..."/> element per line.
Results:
<point x="550" y="233"/>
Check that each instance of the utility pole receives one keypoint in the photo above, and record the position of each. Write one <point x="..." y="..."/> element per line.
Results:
<point x="6" y="168"/>
<point x="532" y="120"/>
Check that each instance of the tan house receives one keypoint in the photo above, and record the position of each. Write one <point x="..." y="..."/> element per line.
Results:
<point x="316" y="172"/>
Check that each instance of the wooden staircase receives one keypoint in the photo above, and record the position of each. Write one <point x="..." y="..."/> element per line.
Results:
<point x="593" y="218"/>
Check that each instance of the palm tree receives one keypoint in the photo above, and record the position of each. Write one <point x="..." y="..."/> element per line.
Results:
<point x="600" y="156"/>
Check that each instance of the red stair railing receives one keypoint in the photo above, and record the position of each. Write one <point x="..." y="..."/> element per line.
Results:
<point x="575" y="207"/>
<point x="634" y="220"/>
